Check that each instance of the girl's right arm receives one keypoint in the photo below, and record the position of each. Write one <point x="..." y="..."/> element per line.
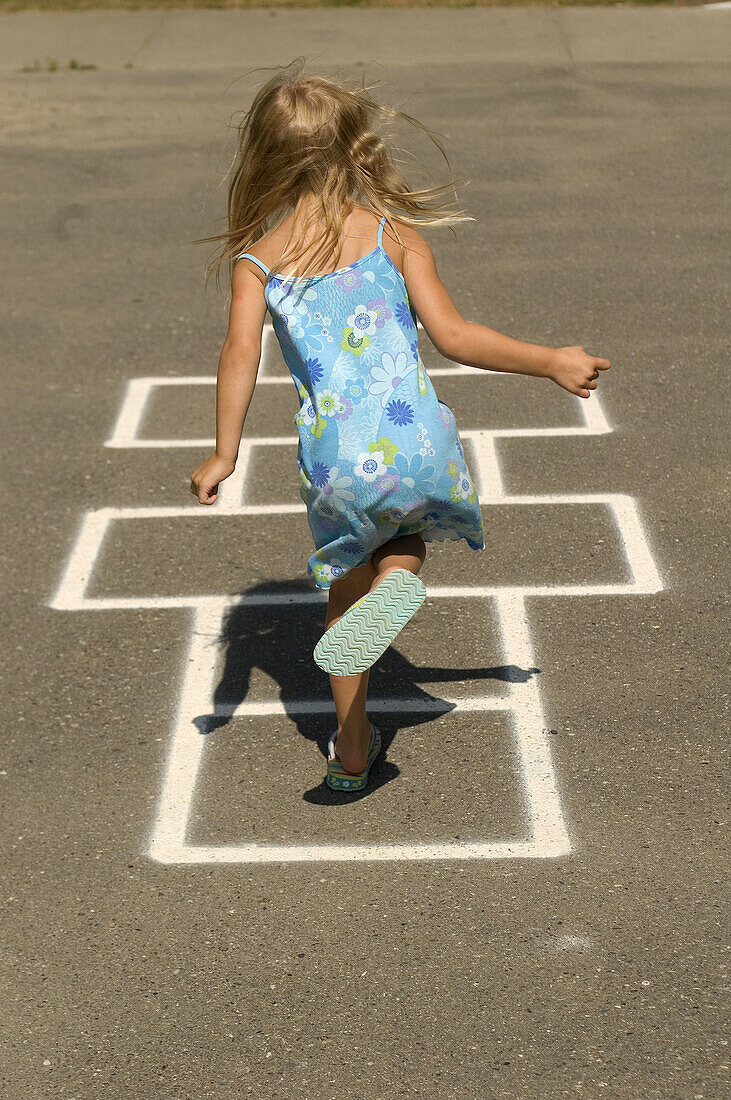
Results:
<point x="238" y="366"/>
<point x="474" y="345"/>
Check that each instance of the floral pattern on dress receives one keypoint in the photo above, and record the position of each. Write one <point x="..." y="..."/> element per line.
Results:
<point x="379" y="454"/>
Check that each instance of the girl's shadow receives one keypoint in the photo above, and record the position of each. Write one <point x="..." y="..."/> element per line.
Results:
<point x="278" y="639"/>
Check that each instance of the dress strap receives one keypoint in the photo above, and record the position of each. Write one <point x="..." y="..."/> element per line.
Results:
<point x="380" y="231"/>
<point x="248" y="256"/>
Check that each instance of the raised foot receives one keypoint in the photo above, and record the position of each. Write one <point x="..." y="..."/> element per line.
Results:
<point x="367" y="628"/>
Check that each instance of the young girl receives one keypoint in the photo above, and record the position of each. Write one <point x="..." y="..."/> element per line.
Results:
<point x="344" y="274"/>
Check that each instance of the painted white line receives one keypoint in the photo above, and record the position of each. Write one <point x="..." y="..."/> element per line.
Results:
<point x="546" y="816"/>
<point x="636" y="548"/>
<point x="198" y="688"/>
<point x="158" y="603"/>
<point x="445" y="702"/>
<point x="321" y="853"/>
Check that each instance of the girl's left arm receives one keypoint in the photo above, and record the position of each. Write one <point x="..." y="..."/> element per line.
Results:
<point x="238" y="366"/>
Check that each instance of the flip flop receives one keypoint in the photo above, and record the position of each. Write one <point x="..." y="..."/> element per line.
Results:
<point x="338" y="778"/>
<point x="368" y="627"/>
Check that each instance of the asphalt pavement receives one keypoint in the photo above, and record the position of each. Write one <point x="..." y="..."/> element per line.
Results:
<point x="527" y="901"/>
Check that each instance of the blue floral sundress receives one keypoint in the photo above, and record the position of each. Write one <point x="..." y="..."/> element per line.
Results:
<point x="379" y="455"/>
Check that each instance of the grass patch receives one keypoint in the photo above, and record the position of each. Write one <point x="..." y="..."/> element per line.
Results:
<point x="51" y="65"/>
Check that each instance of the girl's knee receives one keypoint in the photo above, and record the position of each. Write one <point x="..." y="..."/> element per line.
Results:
<point x="412" y="545"/>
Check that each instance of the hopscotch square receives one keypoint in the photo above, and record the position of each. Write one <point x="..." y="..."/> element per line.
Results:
<point x="183" y="406"/>
<point x="188" y="556"/>
<point x="265" y="653"/>
<point x="256" y="551"/>
<point x="276" y="761"/>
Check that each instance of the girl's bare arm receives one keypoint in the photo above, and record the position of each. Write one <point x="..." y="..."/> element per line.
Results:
<point x="478" y="346"/>
<point x="238" y="366"/>
<point x="238" y="362"/>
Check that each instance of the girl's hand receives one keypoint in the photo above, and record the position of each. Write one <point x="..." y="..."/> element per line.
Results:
<point x="205" y="478"/>
<point x="575" y="370"/>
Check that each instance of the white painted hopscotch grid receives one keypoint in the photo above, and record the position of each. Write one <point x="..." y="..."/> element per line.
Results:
<point x="546" y="832"/>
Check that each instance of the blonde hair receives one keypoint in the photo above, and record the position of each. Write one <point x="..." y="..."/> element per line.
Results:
<point x="309" y="136"/>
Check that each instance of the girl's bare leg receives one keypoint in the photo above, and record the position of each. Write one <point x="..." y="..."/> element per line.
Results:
<point x="405" y="552"/>
<point x="349" y="692"/>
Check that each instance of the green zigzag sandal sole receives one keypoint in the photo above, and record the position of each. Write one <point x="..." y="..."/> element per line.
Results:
<point x="337" y="778"/>
<point x="368" y="627"/>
